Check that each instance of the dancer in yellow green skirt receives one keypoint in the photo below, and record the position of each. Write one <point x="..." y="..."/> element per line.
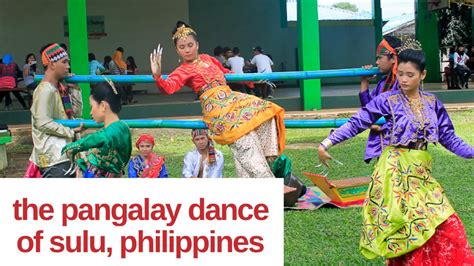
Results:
<point x="407" y="217"/>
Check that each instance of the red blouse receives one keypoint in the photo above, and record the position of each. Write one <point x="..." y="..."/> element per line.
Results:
<point x="201" y="74"/>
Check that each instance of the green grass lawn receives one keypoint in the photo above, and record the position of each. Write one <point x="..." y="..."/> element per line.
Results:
<point x="330" y="236"/>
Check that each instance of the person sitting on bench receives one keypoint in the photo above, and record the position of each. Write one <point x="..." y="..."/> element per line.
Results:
<point x="9" y="72"/>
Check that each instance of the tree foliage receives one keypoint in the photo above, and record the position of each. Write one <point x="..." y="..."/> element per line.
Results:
<point x="346" y="6"/>
<point x="455" y="25"/>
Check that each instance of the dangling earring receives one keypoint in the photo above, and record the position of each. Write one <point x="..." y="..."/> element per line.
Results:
<point x="179" y="60"/>
<point x="421" y="85"/>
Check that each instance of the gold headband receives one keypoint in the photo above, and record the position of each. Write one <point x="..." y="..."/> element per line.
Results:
<point x="183" y="32"/>
<point x="411" y="44"/>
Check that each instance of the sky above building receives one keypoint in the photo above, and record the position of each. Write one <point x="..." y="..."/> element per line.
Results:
<point x="390" y="8"/>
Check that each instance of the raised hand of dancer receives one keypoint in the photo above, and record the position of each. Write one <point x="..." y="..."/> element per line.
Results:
<point x="155" y="60"/>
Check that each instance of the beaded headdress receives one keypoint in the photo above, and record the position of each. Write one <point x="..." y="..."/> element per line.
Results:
<point x="53" y="53"/>
<point x="411" y="44"/>
<point x="182" y="32"/>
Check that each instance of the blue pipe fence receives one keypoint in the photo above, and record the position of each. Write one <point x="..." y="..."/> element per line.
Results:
<point x="197" y="124"/>
<point x="290" y="75"/>
<point x="191" y="124"/>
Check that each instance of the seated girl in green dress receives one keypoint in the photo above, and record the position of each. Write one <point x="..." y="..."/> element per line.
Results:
<point x="107" y="150"/>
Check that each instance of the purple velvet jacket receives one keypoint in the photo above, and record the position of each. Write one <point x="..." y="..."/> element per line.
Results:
<point x="366" y="96"/>
<point x="373" y="148"/>
<point x="403" y="125"/>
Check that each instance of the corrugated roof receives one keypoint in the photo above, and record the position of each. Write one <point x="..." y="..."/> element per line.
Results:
<point x="398" y="22"/>
<point x="329" y="13"/>
<point x="334" y="13"/>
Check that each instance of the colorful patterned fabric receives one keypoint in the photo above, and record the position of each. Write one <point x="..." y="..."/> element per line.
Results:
<point x="404" y="204"/>
<point x="251" y="150"/>
<point x="198" y="132"/>
<point x="108" y="150"/>
<point x="448" y="246"/>
<point x="228" y="115"/>
<point x="249" y="159"/>
<point x="314" y="198"/>
<point x="93" y="172"/>
<point x="231" y="115"/>
<point x="53" y="53"/>
<point x="153" y="167"/>
<point x="66" y="100"/>
<point x="211" y="154"/>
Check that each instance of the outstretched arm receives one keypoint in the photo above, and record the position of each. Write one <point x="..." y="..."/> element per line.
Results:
<point x="361" y="121"/>
<point x="447" y="136"/>
<point x="96" y="140"/>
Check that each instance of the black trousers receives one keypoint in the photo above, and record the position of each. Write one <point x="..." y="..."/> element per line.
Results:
<point x="262" y="90"/>
<point x="8" y="99"/>
<point x="127" y="93"/>
<point x="240" y="88"/>
<point x="464" y="74"/>
<point x="57" y="171"/>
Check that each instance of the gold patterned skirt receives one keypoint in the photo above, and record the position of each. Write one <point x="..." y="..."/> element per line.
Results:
<point x="231" y="115"/>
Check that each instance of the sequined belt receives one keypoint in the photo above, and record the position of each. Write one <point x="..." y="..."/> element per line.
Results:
<point x="419" y="145"/>
<point x="210" y="86"/>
